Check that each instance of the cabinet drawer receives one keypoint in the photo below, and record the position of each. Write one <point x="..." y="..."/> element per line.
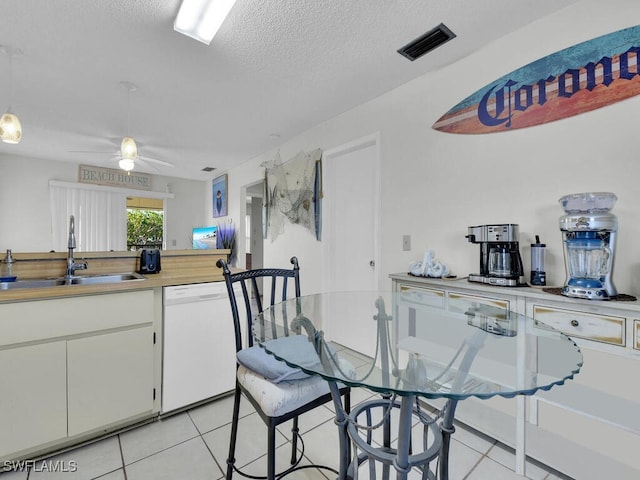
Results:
<point x="599" y="328"/>
<point x="421" y="295"/>
<point x="636" y="336"/>
<point x="462" y="302"/>
<point x="41" y="320"/>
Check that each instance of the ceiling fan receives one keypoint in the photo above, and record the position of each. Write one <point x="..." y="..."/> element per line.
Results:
<point x="127" y="156"/>
<point x="125" y="159"/>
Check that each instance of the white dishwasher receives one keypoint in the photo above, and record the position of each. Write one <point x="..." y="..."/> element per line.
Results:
<point x="199" y="359"/>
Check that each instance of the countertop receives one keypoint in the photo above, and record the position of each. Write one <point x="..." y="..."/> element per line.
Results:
<point x="541" y="293"/>
<point x="179" y="267"/>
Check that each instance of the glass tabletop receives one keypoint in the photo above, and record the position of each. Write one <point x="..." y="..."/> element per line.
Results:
<point x="407" y="344"/>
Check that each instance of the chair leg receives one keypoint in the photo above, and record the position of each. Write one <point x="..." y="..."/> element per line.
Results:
<point x="271" y="452"/>
<point x="347" y="401"/>
<point x="294" y="441"/>
<point x="231" y="459"/>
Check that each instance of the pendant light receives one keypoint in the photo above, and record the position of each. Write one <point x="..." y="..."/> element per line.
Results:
<point x="128" y="147"/>
<point x="10" y="127"/>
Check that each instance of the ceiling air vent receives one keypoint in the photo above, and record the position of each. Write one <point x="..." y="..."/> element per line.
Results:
<point x="427" y="42"/>
<point x="208" y="169"/>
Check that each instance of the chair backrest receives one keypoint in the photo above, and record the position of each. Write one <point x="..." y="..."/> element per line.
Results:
<point x="251" y="297"/>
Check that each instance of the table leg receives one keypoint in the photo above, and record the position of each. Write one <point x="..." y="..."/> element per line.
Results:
<point x="341" y="422"/>
<point x="447" y="429"/>
<point x="386" y="438"/>
<point x="401" y="462"/>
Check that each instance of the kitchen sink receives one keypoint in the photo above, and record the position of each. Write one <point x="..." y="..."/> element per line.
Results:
<point x="33" y="283"/>
<point x="106" y="278"/>
<point x="75" y="280"/>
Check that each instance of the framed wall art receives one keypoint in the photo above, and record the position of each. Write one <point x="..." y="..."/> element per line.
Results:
<point x="219" y="191"/>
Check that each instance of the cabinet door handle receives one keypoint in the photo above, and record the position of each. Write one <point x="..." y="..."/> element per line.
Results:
<point x="575" y="323"/>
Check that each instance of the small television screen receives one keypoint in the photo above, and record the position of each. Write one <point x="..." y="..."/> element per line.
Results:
<point x="204" y="237"/>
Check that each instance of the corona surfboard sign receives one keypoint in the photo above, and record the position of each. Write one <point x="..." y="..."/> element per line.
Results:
<point x="578" y="79"/>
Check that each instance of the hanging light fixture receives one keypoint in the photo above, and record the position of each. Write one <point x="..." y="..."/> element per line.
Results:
<point x="10" y="127"/>
<point x="128" y="147"/>
<point x="126" y="164"/>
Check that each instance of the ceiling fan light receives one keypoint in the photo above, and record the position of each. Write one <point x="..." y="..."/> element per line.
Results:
<point x="126" y="164"/>
<point x="10" y="128"/>
<point x="129" y="149"/>
<point x="201" y="19"/>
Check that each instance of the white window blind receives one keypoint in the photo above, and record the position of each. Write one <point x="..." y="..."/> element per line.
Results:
<point x="100" y="215"/>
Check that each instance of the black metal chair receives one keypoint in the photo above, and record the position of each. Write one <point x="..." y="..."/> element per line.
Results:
<point x="252" y="384"/>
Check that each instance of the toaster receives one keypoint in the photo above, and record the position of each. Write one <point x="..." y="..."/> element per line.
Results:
<point x="149" y="260"/>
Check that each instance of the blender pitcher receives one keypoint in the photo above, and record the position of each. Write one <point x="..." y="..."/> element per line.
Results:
<point x="589" y="232"/>
<point x="588" y="258"/>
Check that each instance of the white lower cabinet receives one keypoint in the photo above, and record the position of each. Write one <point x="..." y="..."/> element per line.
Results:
<point x="588" y="428"/>
<point x="119" y="367"/>
<point x="73" y="368"/>
<point x="33" y="402"/>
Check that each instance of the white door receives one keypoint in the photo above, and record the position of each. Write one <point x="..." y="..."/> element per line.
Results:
<point x="350" y="229"/>
<point x="350" y="214"/>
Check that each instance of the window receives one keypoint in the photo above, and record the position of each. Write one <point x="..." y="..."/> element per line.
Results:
<point x="145" y="223"/>
<point x="101" y="216"/>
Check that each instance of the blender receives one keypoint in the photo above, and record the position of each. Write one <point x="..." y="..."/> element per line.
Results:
<point x="538" y="275"/>
<point x="589" y="237"/>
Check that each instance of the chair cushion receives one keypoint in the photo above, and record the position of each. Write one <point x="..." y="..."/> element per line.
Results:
<point x="293" y="387"/>
<point x="276" y="399"/>
<point x="257" y="359"/>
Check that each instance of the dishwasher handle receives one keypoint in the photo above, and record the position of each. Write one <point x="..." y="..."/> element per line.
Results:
<point x="195" y="299"/>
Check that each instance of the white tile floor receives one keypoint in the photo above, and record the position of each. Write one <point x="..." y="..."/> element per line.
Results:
<point x="193" y="446"/>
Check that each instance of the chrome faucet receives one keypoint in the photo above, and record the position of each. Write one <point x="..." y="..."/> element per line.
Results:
<point x="72" y="265"/>
<point x="8" y="261"/>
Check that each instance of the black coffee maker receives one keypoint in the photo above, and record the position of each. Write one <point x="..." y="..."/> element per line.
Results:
<point x="500" y="261"/>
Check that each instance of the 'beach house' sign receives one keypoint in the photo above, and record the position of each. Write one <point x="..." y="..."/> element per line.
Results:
<point x="114" y="178"/>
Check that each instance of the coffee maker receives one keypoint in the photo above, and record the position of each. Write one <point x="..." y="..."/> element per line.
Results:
<point x="589" y="232"/>
<point x="500" y="261"/>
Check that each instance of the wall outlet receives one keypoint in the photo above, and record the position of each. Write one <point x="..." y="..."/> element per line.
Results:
<point x="406" y="243"/>
<point x="173" y="243"/>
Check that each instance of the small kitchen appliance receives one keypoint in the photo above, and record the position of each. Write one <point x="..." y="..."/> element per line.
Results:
<point x="500" y="261"/>
<point x="149" y="260"/>
<point x="538" y="275"/>
<point x="589" y="232"/>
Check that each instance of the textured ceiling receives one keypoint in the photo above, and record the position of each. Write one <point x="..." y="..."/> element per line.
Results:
<point x="275" y="69"/>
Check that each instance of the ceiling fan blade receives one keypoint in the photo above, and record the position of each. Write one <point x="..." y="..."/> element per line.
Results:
<point x="91" y="151"/>
<point x="140" y="164"/>
<point x="154" y="160"/>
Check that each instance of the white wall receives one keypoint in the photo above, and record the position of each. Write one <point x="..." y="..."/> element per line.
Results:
<point x="435" y="184"/>
<point x="25" y="217"/>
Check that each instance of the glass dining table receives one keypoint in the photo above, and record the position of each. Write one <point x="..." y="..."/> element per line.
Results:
<point x="408" y="348"/>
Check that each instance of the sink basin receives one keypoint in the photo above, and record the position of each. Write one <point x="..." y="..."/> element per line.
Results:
<point x="76" y="280"/>
<point x="34" y="283"/>
<point x="106" y="278"/>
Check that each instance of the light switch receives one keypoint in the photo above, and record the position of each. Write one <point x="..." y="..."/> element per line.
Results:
<point x="406" y="243"/>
